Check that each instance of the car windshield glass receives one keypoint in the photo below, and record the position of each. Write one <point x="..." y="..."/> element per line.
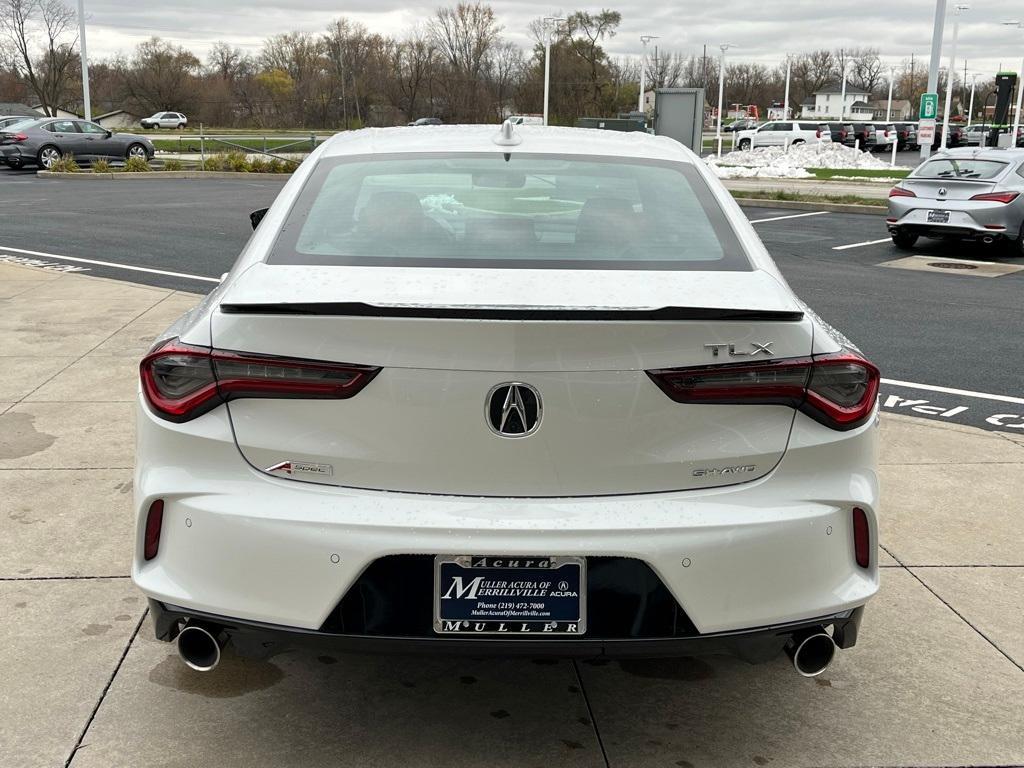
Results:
<point x="961" y="169"/>
<point x="508" y="211"/>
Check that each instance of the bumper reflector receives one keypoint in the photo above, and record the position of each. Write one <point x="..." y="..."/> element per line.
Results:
<point x="154" y="522"/>
<point x="861" y="538"/>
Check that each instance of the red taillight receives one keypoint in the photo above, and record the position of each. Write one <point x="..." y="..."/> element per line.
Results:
<point x="886" y="134"/>
<point x="20" y="137"/>
<point x="861" y="538"/>
<point x="182" y="382"/>
<point x="838" y="390"/>
<point x="842" y="134"/>
<point x="901" y="192"/>
<point x="817" y="134"/>
<point x="998" y="197"/>
<point x="154" y="522"/>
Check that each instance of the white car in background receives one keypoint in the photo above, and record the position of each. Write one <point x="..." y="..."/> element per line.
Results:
<point x="164" y="120"/>
<point x="524" y="390"/>
<point x="784" y="133"/>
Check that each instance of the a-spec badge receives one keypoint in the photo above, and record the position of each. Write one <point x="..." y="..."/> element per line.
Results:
<point x="307" y="468"/>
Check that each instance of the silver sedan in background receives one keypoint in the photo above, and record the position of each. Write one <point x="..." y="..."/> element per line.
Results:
<point x="961" y="194"/>
<point x="43" y="142"/>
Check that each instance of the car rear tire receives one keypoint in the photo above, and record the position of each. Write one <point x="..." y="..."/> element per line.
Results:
<point x="136" y="150"/>
<point x="744" y="145"/>
<point x="1018" y="244"/>
<point x="796" y="143"/>
<point x="904" y="240"/>
<point x="48" y="155"/>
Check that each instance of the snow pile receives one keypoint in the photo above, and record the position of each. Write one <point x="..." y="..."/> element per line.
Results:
<point x="776" y="162"/>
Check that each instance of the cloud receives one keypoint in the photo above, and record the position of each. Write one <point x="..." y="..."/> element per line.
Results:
<point x="761" y="32"/>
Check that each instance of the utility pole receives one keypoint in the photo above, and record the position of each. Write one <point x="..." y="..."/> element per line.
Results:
<point x="950" y="73"/>
<point x="549" y="22"/>
<point x="86" y="105"/>
<point x="933" y="64"/>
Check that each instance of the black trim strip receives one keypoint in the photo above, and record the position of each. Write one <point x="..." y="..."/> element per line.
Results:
<point x="360" y="309"/>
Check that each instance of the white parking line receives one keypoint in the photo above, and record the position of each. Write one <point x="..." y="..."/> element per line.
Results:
<point x="111" y="264"/>
<point x="860" y="245"/>
<point x="951" y="391"/>
<point x="794" y="216"/>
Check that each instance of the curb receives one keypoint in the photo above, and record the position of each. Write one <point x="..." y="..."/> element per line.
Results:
<point x="123" y="176"/>
<point x="809" y="205"/>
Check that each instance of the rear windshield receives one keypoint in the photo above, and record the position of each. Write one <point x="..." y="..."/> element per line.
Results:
<point x="960" y="169"/>
<point x="508" y="211"/>
<point x="20" y="125"/>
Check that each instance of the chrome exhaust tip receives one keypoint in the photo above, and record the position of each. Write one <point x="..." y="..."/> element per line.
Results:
<point x="199" y="646"/>
<point x="988" y="240"/>
<point x="811" y="651"/>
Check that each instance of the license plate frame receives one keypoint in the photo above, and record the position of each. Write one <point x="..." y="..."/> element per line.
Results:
<point x="543" y="608"/>
<point x="936" y="216"/>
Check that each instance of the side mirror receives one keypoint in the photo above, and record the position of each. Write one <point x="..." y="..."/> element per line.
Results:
<point x="109" y="134"/>
<point x="257" y="216"/>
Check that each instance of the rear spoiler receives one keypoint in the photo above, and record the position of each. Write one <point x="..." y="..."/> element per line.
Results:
<point x="359" y="309"/>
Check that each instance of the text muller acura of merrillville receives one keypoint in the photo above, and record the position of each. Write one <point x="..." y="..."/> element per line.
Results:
<point x="516" y="390"/>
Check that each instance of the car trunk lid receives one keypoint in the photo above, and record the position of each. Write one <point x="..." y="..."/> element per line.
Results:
<point x="449" y="340"/>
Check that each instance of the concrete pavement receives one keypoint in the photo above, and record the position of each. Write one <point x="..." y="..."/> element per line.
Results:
<point x="937" y="678"/>
<point x="869" y="190"/>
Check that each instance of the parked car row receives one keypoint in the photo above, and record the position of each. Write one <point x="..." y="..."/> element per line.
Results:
<point x="868" y="137"/>
<point x="43" y="142"/>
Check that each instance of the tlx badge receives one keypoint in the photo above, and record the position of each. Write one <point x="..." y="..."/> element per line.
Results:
<point x="733" y="352"/>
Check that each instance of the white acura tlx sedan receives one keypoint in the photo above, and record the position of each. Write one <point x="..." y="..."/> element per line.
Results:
<point x="512" y="390"/>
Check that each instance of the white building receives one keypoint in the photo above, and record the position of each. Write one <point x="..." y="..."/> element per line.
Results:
<point x="828" y="103"/>
<point x="117" y="119"/>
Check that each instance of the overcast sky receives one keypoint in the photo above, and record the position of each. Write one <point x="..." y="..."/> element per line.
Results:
<point x="761" y="31"/>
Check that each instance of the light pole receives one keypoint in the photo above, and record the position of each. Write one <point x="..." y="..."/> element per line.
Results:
<point x="933" y="64"/>
<point x="1020" y="88"/>
<point x="549" y="22"/>
<point x="721" y="94"/>
<point x="951" y="73"/>
<point x="785" y="99"/>
<point x="970" y="109"/>
<point x="842" y="93"/>
<point x="645" y="39"/>
<point x="85" y="61"/>
<point x="888" y="106"/>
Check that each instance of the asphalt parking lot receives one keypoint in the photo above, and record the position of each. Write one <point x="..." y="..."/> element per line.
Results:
<point x="937" y="677"/>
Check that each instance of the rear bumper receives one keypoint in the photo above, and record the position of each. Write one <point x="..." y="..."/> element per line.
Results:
<point x="15" y="153"/>
<point x="236" y="542"/>
<point x="969" y="220"/>
<point x="258" y="639"/>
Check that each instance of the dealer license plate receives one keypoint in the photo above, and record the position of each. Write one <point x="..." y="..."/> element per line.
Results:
<point x="938" y="217"/>
<point x="508" y="595"/>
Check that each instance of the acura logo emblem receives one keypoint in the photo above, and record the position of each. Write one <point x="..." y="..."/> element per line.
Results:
<point x="942" y="190"/>
<point x="513" y="409"/>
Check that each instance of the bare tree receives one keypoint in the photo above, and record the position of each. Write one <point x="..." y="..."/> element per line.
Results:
<point x="159" y="76"/>
<point x="464" y="37"/>
<point x="37" y="40"/>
